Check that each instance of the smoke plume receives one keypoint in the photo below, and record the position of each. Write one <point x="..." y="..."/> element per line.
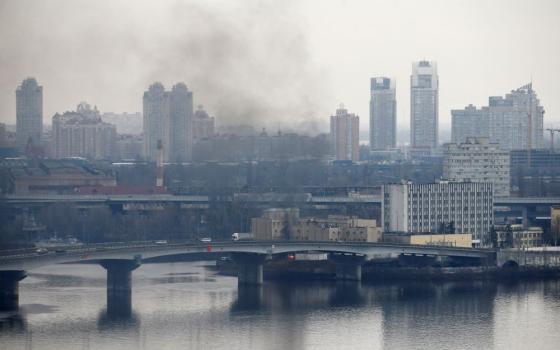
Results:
<point x="247" y="62"/>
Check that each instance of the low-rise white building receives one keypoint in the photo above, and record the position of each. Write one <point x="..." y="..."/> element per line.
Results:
<point x="478" y="160"/>
<point x="454" y="207"/>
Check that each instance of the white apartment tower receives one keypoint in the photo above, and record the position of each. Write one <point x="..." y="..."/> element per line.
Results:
<point x="478" y="160"/>
<point x="514" y="121"/>
<point x="424" y="104"/>
<point x="465" y="207"/>
<point x="345" y="130"/>
<point x="382" y="114"/>
<point x="29" y="113"/>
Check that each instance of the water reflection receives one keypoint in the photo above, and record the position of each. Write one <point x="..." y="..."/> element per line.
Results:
<point x="288" y="297"/>
<point x="346" y="294"/>
<point x="177" y="306"/>
<point x="13" y="322"/>
<point x="115" y="319"/>
<point x="249" y="298"/>
<point x="457" y="314"/>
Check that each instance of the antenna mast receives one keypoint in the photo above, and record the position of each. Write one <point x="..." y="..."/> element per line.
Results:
<point x="530" y="128"/>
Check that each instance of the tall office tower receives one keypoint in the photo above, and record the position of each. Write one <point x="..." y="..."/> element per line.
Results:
<point x="179" y="141"/>
<point x="478" y="160"/>
<point x="156" y="118"/>
<point x="29" y="113"/>
<point x="514" y="121"/>
<point x="345" y="129"/>
<point x="83" y="134"/>
<point x="460" y="207"/>
<point x="424" y="95"/>
<point x="382" y="114"/>
<point x="202" y="125"/>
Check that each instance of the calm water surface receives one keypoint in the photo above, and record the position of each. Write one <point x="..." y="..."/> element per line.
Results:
<point x="188" y="306"/>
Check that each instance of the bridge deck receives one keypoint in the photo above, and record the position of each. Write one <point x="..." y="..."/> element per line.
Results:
<point x="26" y="261"/>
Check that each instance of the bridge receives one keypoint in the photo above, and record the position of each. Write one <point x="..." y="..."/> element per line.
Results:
<point x="36" y="199"/>
<point x="121" y="259"/>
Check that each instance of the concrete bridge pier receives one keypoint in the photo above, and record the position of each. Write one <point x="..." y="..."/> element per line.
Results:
<point x="9" y="289"/>
<point x="119" y="285"/>
<point x="249" y="268"/>
<point x="348" y="267"/>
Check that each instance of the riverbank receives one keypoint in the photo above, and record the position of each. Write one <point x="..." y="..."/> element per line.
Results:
<point x="325" y="270"/>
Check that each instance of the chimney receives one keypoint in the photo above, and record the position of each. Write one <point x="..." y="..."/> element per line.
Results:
<point x="159" y="164"/>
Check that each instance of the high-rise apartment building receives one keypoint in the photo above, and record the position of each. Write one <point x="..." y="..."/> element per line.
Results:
<point x="168" y="121"/>
<point x="29" y="113"/>
<point x="382" y="114"/>
<point x="478" y="160"/>
<point x="424" y="104"/>
<point x="345" y="130"/>
<point x="156" y="115"/>
<point x="514" y="121"/>
<point x="202" y="125"/>
<point x="180" y="123"/>
<point x="83" y="134"/>
<point x="455" y="207"/>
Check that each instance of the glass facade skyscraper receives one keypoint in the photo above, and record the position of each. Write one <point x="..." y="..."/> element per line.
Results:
<point x="424" y="105"/>
<point x="382" y="114"/>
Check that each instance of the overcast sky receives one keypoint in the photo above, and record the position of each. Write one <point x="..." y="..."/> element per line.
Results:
<point x="276" y="63"/>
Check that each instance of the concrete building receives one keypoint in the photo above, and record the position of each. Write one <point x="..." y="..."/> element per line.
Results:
<point x="202" y="125"/>
<point x="7" y="142"/>
<point x="424" y="105"/>
<point x="345" y="138"/>
<point x="179" y="140"/>
<point x="463" y="240"/>
<point x="540" y="158"/>
<point x="382" y="114"/>
<point x="129" y="147"/>
<point x="168" y="119"/>
<point x="274" y="223"/>
<point x="281" y="223"/>
<point x="83" y="134"/>
<point x="54" y="176"/>
<point x="29" y="114"/>
<point x="3" y="135"/>
<point x="517" y="236"/>
<point x="504" y="121"/>
<point x="336" y="228"/>
<point x="478" y="160"/>
<point x="126" y="123"/>
<point x="555" y="224"/>
<point x="451" y="207"/>
<point x="156" y="115"/>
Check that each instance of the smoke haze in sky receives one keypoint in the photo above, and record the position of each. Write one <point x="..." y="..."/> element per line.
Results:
<point x="276" y="63"/>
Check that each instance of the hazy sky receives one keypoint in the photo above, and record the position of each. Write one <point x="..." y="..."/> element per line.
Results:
<point x="276" y="63"/>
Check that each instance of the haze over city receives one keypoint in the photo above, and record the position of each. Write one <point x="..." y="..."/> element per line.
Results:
<point x="277" y="64"/>
<point x="266" y="174"/>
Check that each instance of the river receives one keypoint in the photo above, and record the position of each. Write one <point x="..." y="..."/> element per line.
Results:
<point x="188" y="306"/>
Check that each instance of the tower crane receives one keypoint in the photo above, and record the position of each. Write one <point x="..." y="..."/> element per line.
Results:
<point x="552" y="131"/>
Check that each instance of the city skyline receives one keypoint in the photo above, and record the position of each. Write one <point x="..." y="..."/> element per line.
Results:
<point x="310" y="83"/>
<point x="194" y="174"/>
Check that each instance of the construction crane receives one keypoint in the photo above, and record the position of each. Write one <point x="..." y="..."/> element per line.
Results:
<point x="552" y="131"/>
